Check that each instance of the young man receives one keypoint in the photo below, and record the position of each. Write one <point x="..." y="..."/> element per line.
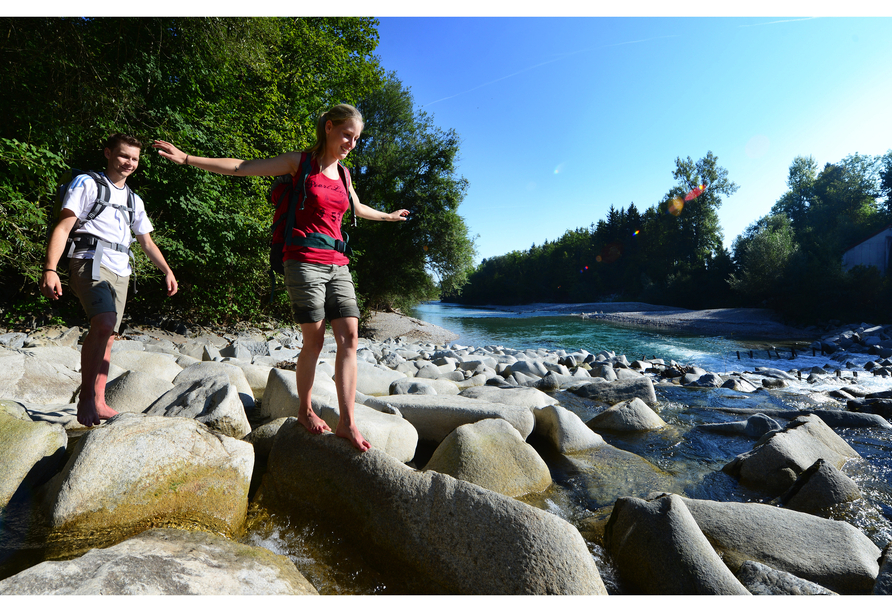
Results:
<point x="99" y="269"/>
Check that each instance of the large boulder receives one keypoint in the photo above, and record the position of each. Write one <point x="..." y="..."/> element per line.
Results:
<point x="30" y="379"/>
<point x="491" y="453"/>
<point x="135" y="391"/>
<point x="618" y="391"/>
<point x="760" y="579"/>
<point x="755" y="427"/>
<point x="659" y="550"/>
<point x="372" y="379"/>
<point x="564" y="430"/>
<point x="236" y="376"/>
<point x="820" y="487"/>
<point x="453" y="534"/>
<point x="883" y="585"/>
<point x="385" y="430"/>
<point x="435" y="416"/>
<point x="213" y="401"/>
<point x="138" y="471"/>
<point x="831" y="553"/>
<point x="30" y="452"/>
<point x="527" y="397"/>
<point x="165" y="562"/>
<point x="627" y="416"/>
<point x="781" y="456"/>
<point x="159" y="365"/>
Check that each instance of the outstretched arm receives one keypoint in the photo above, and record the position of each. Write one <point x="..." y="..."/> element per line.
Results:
<point x="287" y="163"/>
<point x="367" y="212"/>
<point x="154" y="254"/>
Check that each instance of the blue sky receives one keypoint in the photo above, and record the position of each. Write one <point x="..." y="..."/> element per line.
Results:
<point x="562" y="117"/>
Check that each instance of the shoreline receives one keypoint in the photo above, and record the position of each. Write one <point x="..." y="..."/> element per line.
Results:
<point x="744" y="323"/>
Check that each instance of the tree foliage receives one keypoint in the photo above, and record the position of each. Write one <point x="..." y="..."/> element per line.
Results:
<point x="403" y="160"/>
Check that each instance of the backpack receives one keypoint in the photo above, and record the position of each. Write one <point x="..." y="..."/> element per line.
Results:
<point x="86" y="241"/>
<point x="288" y="194"/>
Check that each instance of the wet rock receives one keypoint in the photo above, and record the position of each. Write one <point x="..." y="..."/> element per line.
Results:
<point x="603" y="474"/>
<point x="457" y="535"/>
<point x="831" y="553"/>
<point x="658" y="549"/>
<point x="778" y="459"/>
<point x="491" y="453"/>
<point x="165" y="562"/>
<point x="627" y="416"/>
<point x="618" y="391"/>
<point x="30" y="453"/>
<point x="754" y="427"/>
<point x="137" y="471"/>
<point x="820" y="487"/>
<point x="883" y="584"/>
<point x="211" y="400"/>
<point x="564" y="430"/>
<point x="760" y="579"/>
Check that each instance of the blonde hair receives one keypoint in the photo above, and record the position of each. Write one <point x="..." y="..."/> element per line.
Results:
<point x="337" y="115"/>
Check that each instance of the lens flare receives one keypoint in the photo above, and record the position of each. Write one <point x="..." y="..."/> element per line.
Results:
<point x="675" y="206"/>
<point x="694" y="193"/>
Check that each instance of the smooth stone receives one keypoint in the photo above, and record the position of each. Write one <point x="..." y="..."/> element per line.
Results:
<point x="628" y="416"/>
<point x="30" y="379"/>
<point x="491" y="453"/>
<point x="883" y="585"/>
<point x="779" y="457"/>
<point x="618" y="391"/>
<point x="760" y="579"/>
<point x="831" y="553"/>
<point x="159" y="365"/>
<point x="135" y="391"/>
<point x="436" y="416"/>
<point x="234" y="373"/>
<point x="30" y="453"/>
<point x="374" y="379"/>
<point x="517" y="396"/>
<point x="165" y="562"/>
<point x="137" y="470"/>
<point x="754" y="427"/>
<point x="412" y="386"/>
<point x="213" y="401"/>
<point x="820" y="487"/>
<point x="658" y="549"/>
<point x="262" y="438"/>
<point x="459" y="536"/>
<point x="564" y="430"/>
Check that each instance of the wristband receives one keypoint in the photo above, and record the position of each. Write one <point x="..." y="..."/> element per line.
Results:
<point x="49" y="270"/>
<point x="186" y="161"/>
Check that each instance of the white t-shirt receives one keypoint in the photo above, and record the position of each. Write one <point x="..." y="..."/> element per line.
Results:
<point x="110" y="225"/>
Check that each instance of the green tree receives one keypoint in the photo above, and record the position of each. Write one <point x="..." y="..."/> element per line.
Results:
<point x="403" y="160"/>
<point x="214" y="86"/>
<point x="763" y="254"/>
<point x="801" y="182"/>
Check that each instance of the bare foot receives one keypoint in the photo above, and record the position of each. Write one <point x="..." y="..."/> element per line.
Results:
<point x="351" y="433"/>
<point x="313" y="423"/>
<point x="89" y="414"/>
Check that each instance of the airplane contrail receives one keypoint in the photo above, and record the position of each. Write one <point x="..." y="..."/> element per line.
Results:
<point x="540" y="64"/>
<point x="752" y="25"/>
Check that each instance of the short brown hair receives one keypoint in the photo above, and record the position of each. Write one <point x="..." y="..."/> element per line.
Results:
<point x="115" y="139"/>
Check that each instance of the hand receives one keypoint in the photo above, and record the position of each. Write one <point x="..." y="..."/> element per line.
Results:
<point x="171" y="283"/>
<point x="167" y="150"/>
<point x="398" y="215"/>
<point x="51" y="285"/>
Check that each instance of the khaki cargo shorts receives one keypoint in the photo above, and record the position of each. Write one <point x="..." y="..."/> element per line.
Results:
<point x="108" y="294"/>
<point x="320" y="291"/>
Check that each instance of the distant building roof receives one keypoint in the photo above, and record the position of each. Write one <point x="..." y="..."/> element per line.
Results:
<point x="872" y="251"/>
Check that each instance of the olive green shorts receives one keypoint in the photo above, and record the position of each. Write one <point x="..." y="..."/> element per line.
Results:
<point x="108" y="294"/>
<point x="320" y="291"/>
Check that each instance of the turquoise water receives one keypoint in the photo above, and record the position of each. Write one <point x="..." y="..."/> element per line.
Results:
<point x="480" y="327"/>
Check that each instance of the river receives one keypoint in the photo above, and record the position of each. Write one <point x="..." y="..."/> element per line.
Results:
<point x="688" y="460"/>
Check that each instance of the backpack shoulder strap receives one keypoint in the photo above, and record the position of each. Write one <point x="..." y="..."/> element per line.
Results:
<point x="306" y="168"/>
<point x="345" y="177"/>
<point x="103" y="195"/>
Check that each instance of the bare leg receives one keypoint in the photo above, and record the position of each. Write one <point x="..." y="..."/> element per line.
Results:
<point x="313" y="339"/>
<point x="346" y="332"/>
<point x="95" y="359"/>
